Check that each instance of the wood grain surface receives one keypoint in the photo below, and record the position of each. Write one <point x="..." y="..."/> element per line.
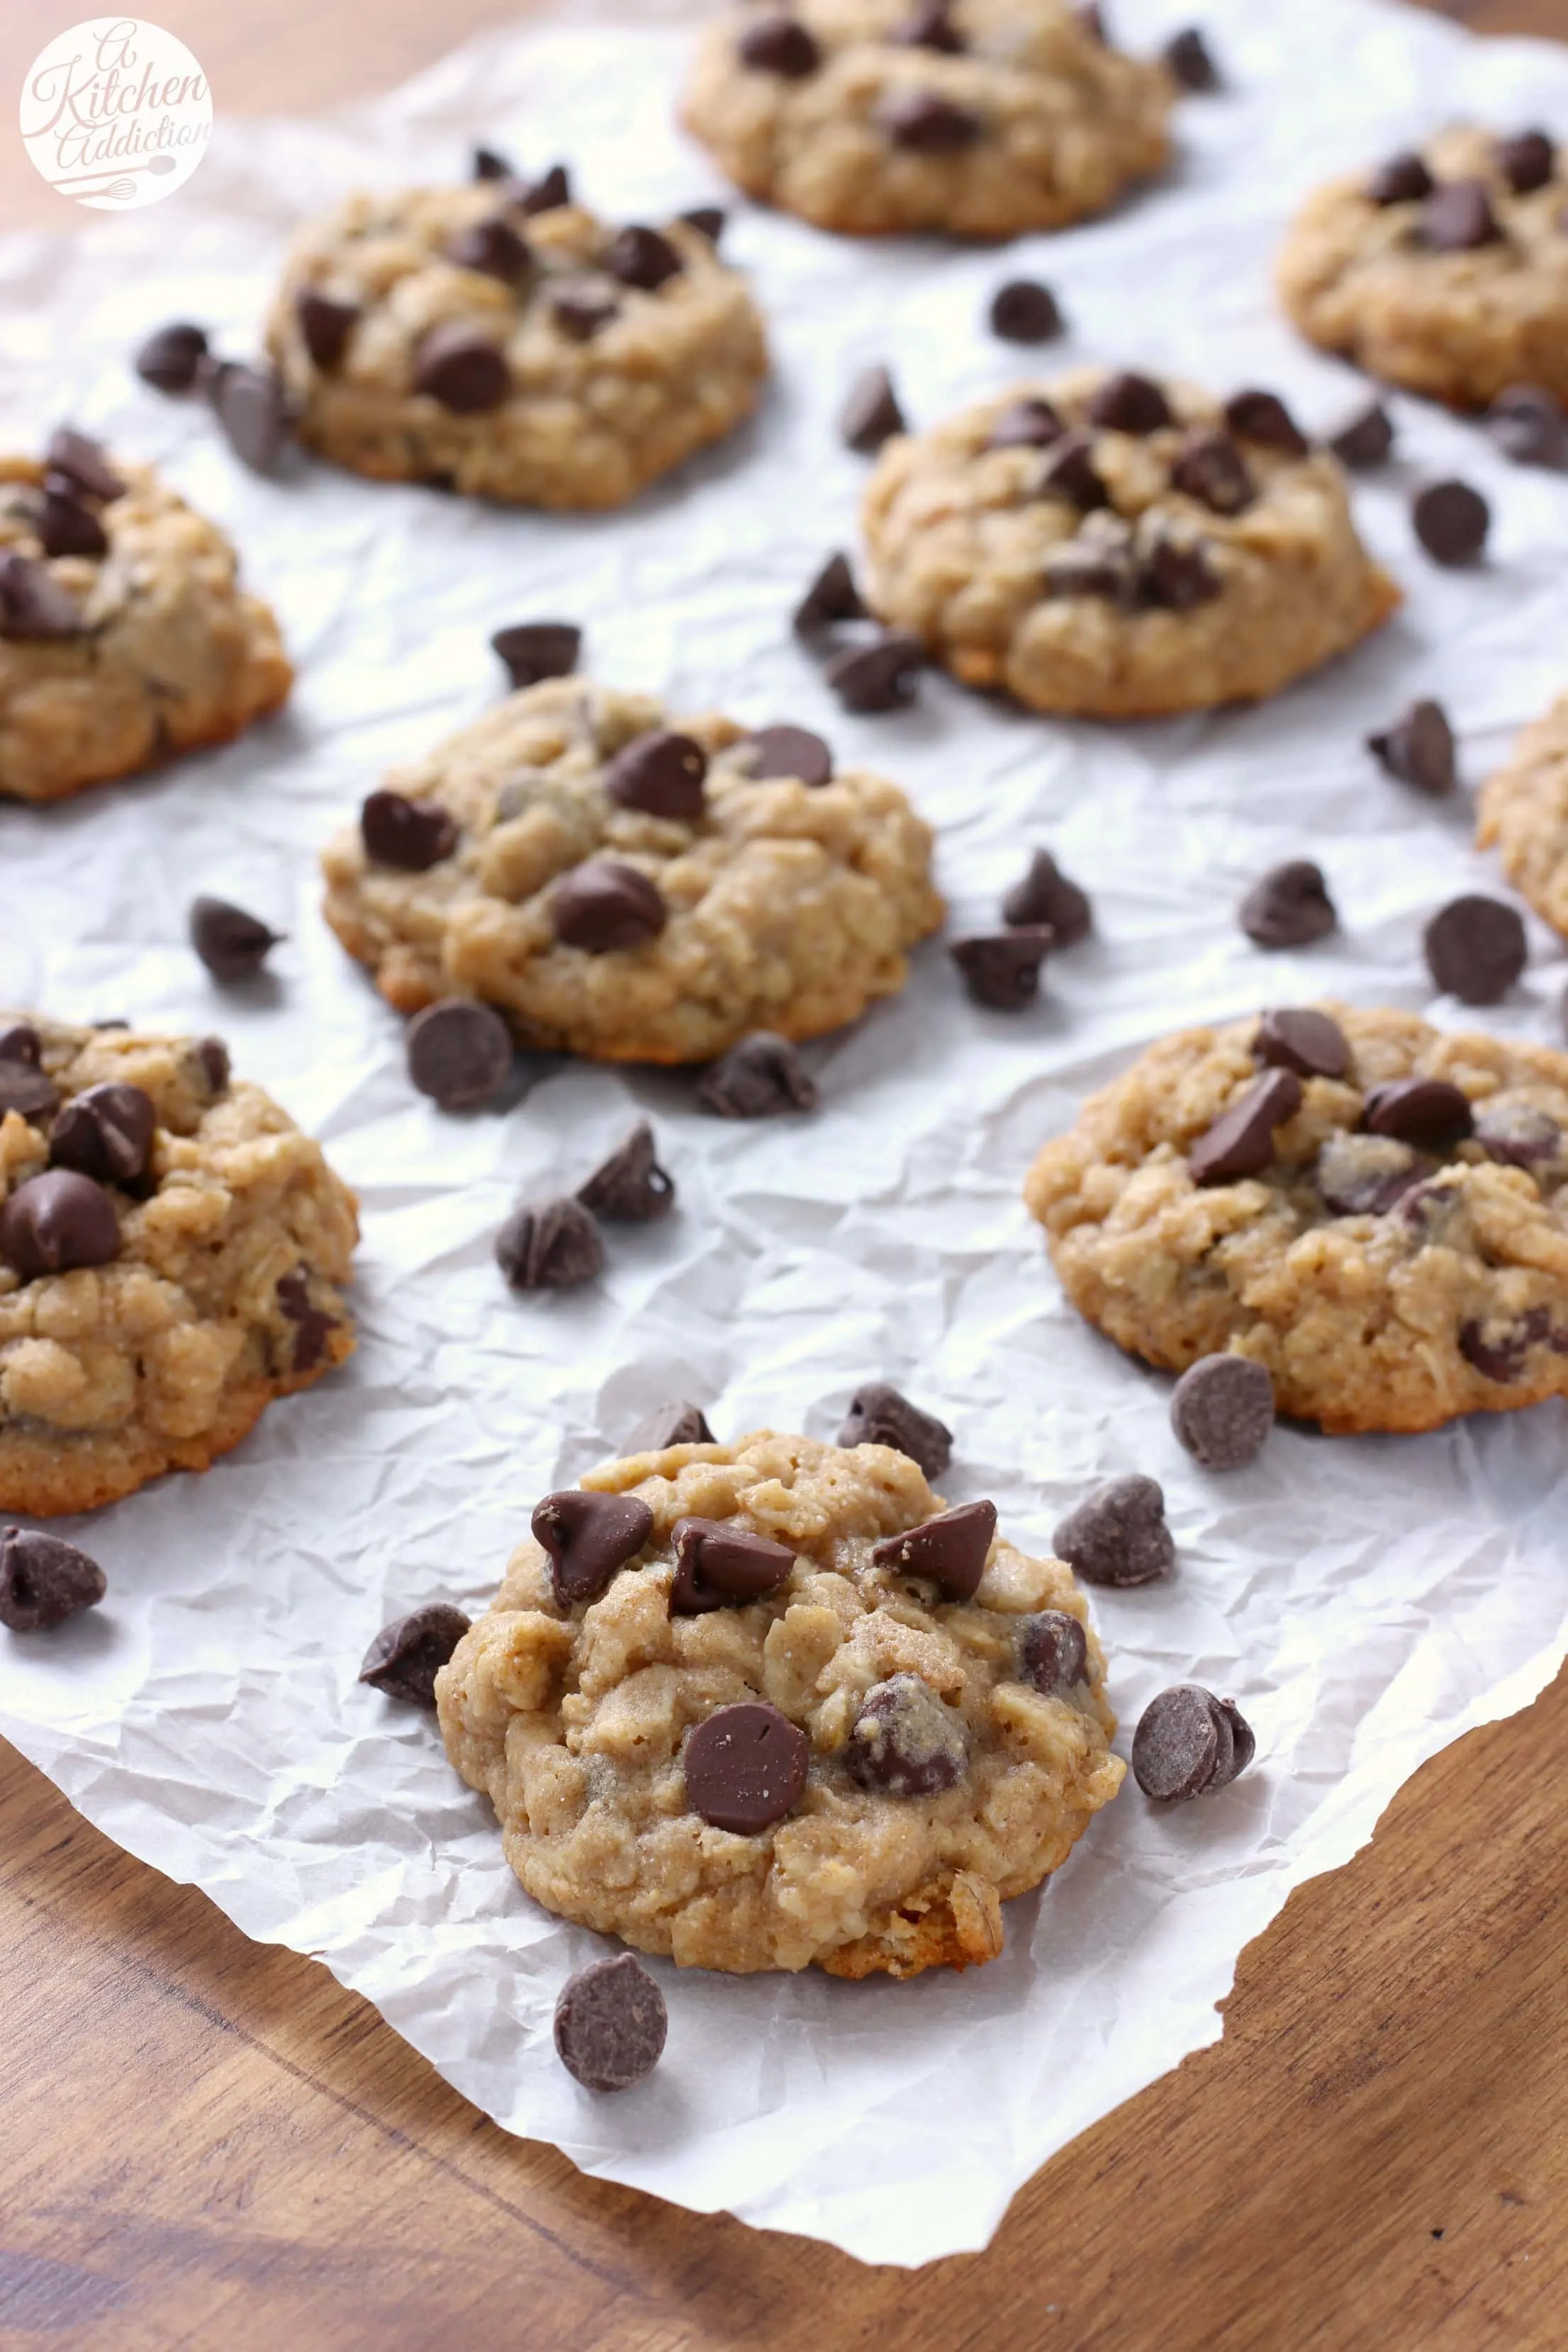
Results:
<point x="206" y="2145"/>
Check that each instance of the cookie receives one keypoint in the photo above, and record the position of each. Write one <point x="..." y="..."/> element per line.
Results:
<point x="765" y="1705"/>
<point x="629" y="888"/>
<point x="984" y="118"/>
<point x="123" y="633"/>
<point x="171" y="1248"/>
<point x="451" y="336"/>
<point x="1522" y="812"/>
<point x="1444" y="271"/>
<point x="1372" y="1210"/>
<point x="1117" y="548"/>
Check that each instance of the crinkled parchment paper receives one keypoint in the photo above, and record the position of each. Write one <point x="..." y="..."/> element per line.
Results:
<point x="1365" y="1600"/>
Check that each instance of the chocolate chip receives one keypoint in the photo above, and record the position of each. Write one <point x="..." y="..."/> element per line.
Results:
<point x="547" y="194"/>
<point x="1366" y="440"/>
<point x="603" y="906"/>
<point x="610" y="2025"/>
<point x="779" y="45"/>
<point x="1186" y="1745"/>
<point x="459" y="1053"/>
<point x="707" y="220"/>
<point x="1364" y="1175"/>
<point x="922" y="123"/>
<point x="1418" y="748"/>
<point x="757" y="1079"/>
<point x="105" y="1133"/>
<point x="1118" y="1536"/>
<point x="832" y="597"/>
<point x="1053" y="1652"/>
<point x="880" y="1415"/>
<point x="1046" y="896"/>
<point x="641" y="257"/>
<point x="904" y="1742"/>
<point x="1518" y="1134"/>
<point x="1527" y="422"/>
<point x="212" y="1054"/>
<point x="1526" y="160"/>
<point x="589" y="1539"/>
<point x="1476" y="948"/>
<point x="949" y="1551"/>
<point x="1458" y="216"/>
<point x="1031" y="424"/>
<point x="406" y="1657"/>
<point x="630" y="1187"/>
<point x="871" y="414"/>
<point x="1095" y="562"/>
<point x="1128" y="403"/>
<point x="1241" y="1140"/>
<point x="581" y="308"/>
<point x="1002" y="968"/>
<point x="1221" y="1409"/>
<point x="1451" y="523"/>
<point x="1498" y="1347"/>
<point x="878" y="677"/>
<point x="1209" y="466"/>
<point x="783" y="751"/>
<point x="44" y="1580"/>
<point x="171" y="356"/>
<point x="745" y="1767"/>
<point x="1263" y="417"/>
<point x="489" y="164"/>
<point x="21" y="1042"/>
<point x="325" y="325"/>
<point x="1070" y="473"/>
<point x="661" y="773"/>
<point x="57" y="1220"/>
<point x="81" y="460"/>
<point x="25" y="1089"/>
<point x="931" y="27"/>
<point x="494" y="249"/>
<point x="718" y="1565"/>
<point x="412" y="835"/>
<point x="666" y="1425"/>
<point x="1176" y="574"/>
<point x="1290" y="906"/>
<point x="1403" y="180"/>
<point x="251" y="410"/>
<point x="232" y="944"/>
<point x="1189" y="61"/>
<point x="465" y="371"/>
<point x="555" y="1246"/>
<point x="533" y="650"/>
<point x="1024" y="312"/>
<point x="66" y="527"/>
<point x="1300" y="1039"/>
<point x="1427" y="1112"/>
<point x="33" y="605"/>
<point x="313" y="1327"/>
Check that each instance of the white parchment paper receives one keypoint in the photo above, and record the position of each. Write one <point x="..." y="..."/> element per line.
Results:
<point x="1364" y="1600"/>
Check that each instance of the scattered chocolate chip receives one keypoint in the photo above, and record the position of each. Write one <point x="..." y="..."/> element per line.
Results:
<point x="1221" y="1409"/>
<point x="1497" y="1347"/>
<point x="1186" y="1744"/>
<point x="1364" y="1175"/>
<point x="232" y="944"/>
<point x="779" y="45"/>
<point x="465" y="371"/>
<point x="494" y="249"/>
<point x="610" y="2025"/>
<point x="589" y="1539"/>
<point x="105" y="1133"/>
<point x="1241" y="1140"/>
<point x="950" y="1551"/>
<point x="1366" y="440"/>
<point x="1177" y="574"/>
<point x="1289" y="908"/>
<point x="489" y="164"/>
<point x="406" y="1657"/>
<point x="20" y="1041"/>
<point x="44" y="1580"/>
<point x="1209" y="466"/>
<point x="1002" y="968"/>
<point x="603" y="906"/>
<point x="171" y="356"/>
<point x="1526" y="160"/>
<point x="832" y="597"/>
<point x="1476" y="948"/>
<point x="580" y="307"/>
<point x="922" y="123"/>
<point x="1030" y="424"/>
<point x="1418" y="748"/>
<point x="1451" y="523"/>
<point x="547" y="194"/>
<point x="666" y="1425"/>
<point x="878" y="677"/>
<point x="313" y="1325"/>
<point x="533" y="650"/>
<point x="880" y="1415"/>
<point x="707" y="220"/>
<point x="1053" y="1652"/>
<point x="660" y="773"/>
<point x="1403" y="180"/>
<point x="775" y="752"/>
<point x="81" y="460"/>
<point x="33" y="605"/>
<point x="1427" y="1112"/>
<point x="1518" y="1134"/>
<point x="459" y="1053"/>
<point x="555" y="1246"/>
<point x="630" y="1187"/>
<point x="57" y="1220"/>
<point x="1046" y="896"/>
<point x="1527" y="422"/>
<point x="25" y="1089"/>
<point x="1263" y="417"/>
<point x="1190" y="62"/>
<point x="325" y="325"/>
<point x="1125" y="403"/>
<point x="931" y="27"/>
<point x="1458" y="216"/>
<point x="251" y="410"/>
<point x="1117" y="1535"/>
<point x="1024" y="312"/>
<point x="755" y="1079"/>
<point x="1301" y="1039"/>
<point x="871" y="414"/>
<point x="905" y="1742"/>
<point x="66" y="527"/>
<point x="718" y="1566"/>
<point x="212" y="1054"/>
<point x="1070" y="473"/>
<point x="641" y="257"/>
<point x="745" y="1767"/>
<point x="412" y="835"/>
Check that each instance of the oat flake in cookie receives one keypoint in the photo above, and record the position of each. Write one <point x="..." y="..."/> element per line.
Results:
<point x="1111" y="546"/>
<point x="530" y="874"/>
<point x="907" y="1761"/>
<point x="1374" y="1212"/>
<point x="1522" y="812"/>
<point x="124" y="635"/>
<point x="538" y="357"/>
<point x="171" y="1252"/>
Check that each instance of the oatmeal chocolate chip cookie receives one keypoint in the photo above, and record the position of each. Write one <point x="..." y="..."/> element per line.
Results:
<point x="1118" y="548"/>
<point x="1522" y="812"/>
<point x="726" y="1708"/>
<point x="629" y="888"/>
<point x="170" y="1251"/>
<point x="453" y="336"/>
<point x="1375" y="1212"/>
<point x="984" y="118"/>
<point x="123" y="633"/>
<point x="1446" y="272"/>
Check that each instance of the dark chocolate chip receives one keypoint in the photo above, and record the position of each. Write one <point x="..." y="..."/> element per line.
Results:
<point x="412" y="835"/>
<point x="1458" y="216"/>
<point x="547" y="194"/>
<point x="666" y="1425"/>
<point x="232" y="944"/>
<point x="171" y="356"/>
<point x="1427" y="1112"/>
<point x="880" y="1415"/>
<point x="1221" y="1409"/>
<point x="1301" y="1039"/>
<point x="1046" y="896"/>
<point x="949" y="1551"/>
<point x="707" y="220"/>
<point x="1126" y="402"/>
<point x="212" y="1054"/>
<point x="1053" y="1652"/>
<point x="745" y="1767"/>
<point x="1367" y="439"/>
<point x="923" y="123"/>
<point x="57" y="1220"/>
<point x="1185" y="1745"/>
<point x="1070" y="473"/>
<point x="494" y="249"/>
<point x="489" y="164"/>
<point x="589" y="1539"/>
<point x="1527" y="422"/>
<point x="603" y="906"/>
<point x="25" y="1089"/>
<point x="1177" y="576"/>
<point x="905" y="1741"/>
<point x="33" y="605"/>
<point x="931" y="27"/>
<point x="1030" y="424"/>
<point x="20" y="1041"/>
<point x="1024" y="312"/>
<point x="533" y="650"/>
<point x="641" y="257"/>
<point x="871" y="414"/>
<point x="783" y="751"/>
<point x="661" y="773"/>
<point x="459" y="1053"/>
<point x="251" y="410"/>
<point x="757" y="1079"/>
<point x="313" y="1327"/>
<point x="1117" y="1535"/>
<point x="581" y="307"/>
<point x="1263" y="417"/>
<point x="1209" y="466"/>
<point x="1290" y="906"/>
<point x="1518" y="1134"/>
<point x="1451" y="523"/>
<point x="81" y="460"/>
<point x="1499" y="1345"/>
<point x="1189" y="61"/>
<point x="1418" y="748"/>
<point x="718" y="1566"/>
<point x="66" y="527"/>
<point x="832" y="597"/>
<point x="610" y="2025"/>
<point x="630" y="1187"/>
<point x="1002" y="968"/>
<point x="44" y="1580"/>
<point x="554" y="1246"/>
<point x="1241" y="1140"/>
<point x="406" y="1657"/>
<point x="105" y="1133"/>
<point x="465" y="371"/>
<point x="878" y="677"/>
<point x="777" y="44"/>
<point x="1404" y="179"/>
<point x="325" y="325"/>
<point x="1364" y="1175"/>
<point x="1476" y="948"/>
<point x="1526" y="160"/>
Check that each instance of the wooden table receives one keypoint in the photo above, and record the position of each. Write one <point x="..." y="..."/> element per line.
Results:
<point x="207" y="2144"/>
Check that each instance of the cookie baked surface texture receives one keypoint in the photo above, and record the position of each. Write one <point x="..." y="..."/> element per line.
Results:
<point x="777" y="904"/>
<point x="136" y="643"/>
<point x="1167" y="561"/>
<point x="171" y="1248"/>
<point x="1522" y="812"/>
<point x="985" y="118"/>
<point x="1397" y="1251"/>
<point x="1455" y="284"/>
<point x="933" y="1779"/>
<point x="445" y="335"/>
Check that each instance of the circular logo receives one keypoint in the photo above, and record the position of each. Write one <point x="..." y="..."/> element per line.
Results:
<point x="116" y="113"/>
